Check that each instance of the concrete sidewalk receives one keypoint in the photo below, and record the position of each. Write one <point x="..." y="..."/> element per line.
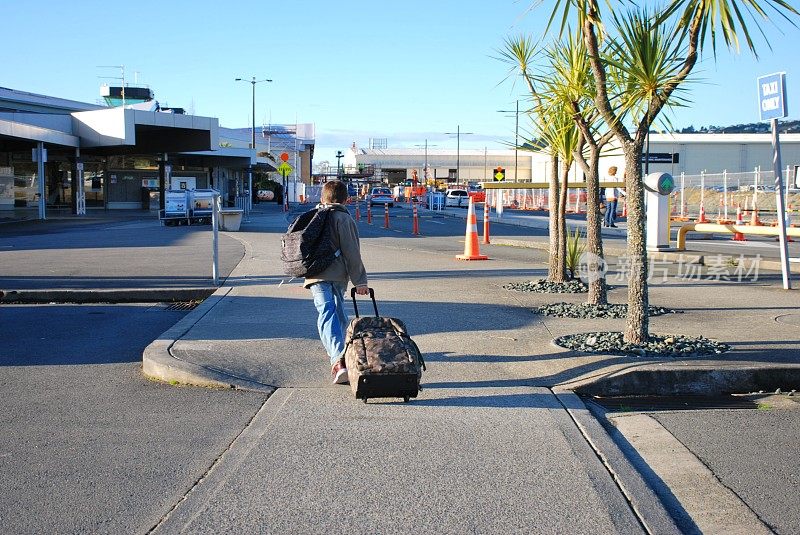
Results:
<point x="496" y="400"/>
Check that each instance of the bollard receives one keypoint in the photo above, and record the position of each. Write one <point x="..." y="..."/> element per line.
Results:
<point x="358" y="213"/>
<point x="486" y="223"/>
<point x="215" y="238"/>
<point x="369" y="214"/>
<point x="415" y="225"/>
<point x="386" y="215"/>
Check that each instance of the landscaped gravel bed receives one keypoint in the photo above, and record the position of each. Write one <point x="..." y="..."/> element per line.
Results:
<point x="657" y="346"/>
<point x="586" y="310"/>
<point x="544" y="286"/>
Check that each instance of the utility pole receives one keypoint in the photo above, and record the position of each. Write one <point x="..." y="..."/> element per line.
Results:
<point x="458" y="133"/>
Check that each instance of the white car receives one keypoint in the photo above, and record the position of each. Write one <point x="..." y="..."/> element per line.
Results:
<point x="380" y="196"/>
<point x="457" y="197"/>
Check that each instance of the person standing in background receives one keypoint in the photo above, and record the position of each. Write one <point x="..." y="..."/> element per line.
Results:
<point x="612" y="194"/>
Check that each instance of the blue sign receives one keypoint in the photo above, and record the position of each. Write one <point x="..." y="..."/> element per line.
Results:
<point x="772" y="96"/>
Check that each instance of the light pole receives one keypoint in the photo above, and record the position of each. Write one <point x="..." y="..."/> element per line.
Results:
<point x="516" y="137"/>
<point x="253" y="82"/>
<point x="339" y="156"/>
<point x="458" y="134"/>
<point x="425" y="169"/>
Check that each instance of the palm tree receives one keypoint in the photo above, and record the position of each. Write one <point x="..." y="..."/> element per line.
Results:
<point x="698" y="23"/>
<point x="569" y="80"/>
<point x="519" y="52"/>
<point x="562" y="137"/>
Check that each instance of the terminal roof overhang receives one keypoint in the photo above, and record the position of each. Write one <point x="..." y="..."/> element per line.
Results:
<point x="127" y="131"/>
<point x="110" y="131"/>
<point x="15" y="135"/>
<point x="232" y="157"/>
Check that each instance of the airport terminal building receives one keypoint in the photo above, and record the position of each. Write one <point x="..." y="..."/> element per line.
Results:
<point x="688" y="154"/>
<point x="59" y="156"/>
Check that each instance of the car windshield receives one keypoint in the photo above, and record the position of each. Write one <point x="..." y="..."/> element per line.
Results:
<point x="381" y="192"/>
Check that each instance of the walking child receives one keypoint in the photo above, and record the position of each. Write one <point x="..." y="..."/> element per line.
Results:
<point x="328" y="287"/>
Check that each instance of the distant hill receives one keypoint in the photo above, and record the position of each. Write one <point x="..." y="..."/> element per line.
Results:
<point x="784" y="127"/>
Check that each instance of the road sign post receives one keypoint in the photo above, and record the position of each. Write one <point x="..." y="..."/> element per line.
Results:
<point x="772" y="106"/>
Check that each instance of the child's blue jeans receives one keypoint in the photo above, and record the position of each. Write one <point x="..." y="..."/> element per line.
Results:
<point x="332" y="320"/>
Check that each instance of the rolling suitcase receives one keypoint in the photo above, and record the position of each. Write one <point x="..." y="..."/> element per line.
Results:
<point x="382" y="360"/>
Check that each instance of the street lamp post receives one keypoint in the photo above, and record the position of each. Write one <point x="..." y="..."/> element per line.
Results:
<point x="516" y="137"/>
<point x="425" y="169"/>
<point x="252" y="82"/>
<point x="339" y="156"/>
<point x="458" y="134"/>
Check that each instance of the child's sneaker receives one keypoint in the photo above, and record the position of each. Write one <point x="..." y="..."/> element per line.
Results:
<point x="339" y="373"/>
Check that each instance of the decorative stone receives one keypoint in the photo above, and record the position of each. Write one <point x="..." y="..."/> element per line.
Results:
<point x="656" y="347"/>
<point x="586" y="310"/>
<point x="545" y="286"/>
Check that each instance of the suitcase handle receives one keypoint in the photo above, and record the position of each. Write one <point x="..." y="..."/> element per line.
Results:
<point x="371" y="294"/>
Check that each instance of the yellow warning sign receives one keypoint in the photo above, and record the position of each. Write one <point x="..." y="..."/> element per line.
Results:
<point x="285" y="169"/>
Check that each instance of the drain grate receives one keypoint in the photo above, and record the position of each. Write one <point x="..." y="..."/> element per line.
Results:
<point x="183" y="305"/>
<point x="673" y="403"/>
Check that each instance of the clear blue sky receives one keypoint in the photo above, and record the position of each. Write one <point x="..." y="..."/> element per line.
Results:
<point x="406" y="71"/>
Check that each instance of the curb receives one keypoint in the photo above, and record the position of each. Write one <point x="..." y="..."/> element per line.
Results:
<point x="134" y="295"/>
<point x="159" y="363"/>
<point x="640" y="496"/>
<point x="702" y="380"/>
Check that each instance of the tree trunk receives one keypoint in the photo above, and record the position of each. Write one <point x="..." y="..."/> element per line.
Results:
<point x="637" y="329"/>
<point x="562" y="218"/>
<point x="556" y="271"/>
<point x="598" y="294"/>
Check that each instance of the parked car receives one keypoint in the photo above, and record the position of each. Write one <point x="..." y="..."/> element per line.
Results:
<point x="457" y="197"/>
<point x="477" y="193"/>
<point x="380" y="196"/>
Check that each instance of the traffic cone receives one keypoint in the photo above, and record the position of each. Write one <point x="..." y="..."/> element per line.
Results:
<point x="625" y="208"/>
<point x="754" y="220"/>
<point x="702" y="217"/>
<point x="738" y="236"/>
<point x="471" y="247"/>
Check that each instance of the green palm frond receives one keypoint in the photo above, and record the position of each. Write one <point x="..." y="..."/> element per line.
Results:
<point x="644" y="63"/>
<point x="519" y="53"/>
<point x="726" y="17"/>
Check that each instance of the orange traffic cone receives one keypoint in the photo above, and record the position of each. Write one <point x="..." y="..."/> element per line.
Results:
<point x="738" y="236"/>
<point x="471" y="248"/>
<point x="755" y="221"/>
<point x="625" y="208"/>
<point x="702" y="217"/>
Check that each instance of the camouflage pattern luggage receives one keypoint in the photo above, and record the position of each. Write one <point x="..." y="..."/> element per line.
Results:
<point x="382" y="360"/>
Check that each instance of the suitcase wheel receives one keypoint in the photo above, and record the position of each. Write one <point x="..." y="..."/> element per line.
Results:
<point x="365" y="400"/>
<point x="406" y="399"/>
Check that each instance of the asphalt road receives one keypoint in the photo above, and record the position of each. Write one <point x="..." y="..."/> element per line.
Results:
<point x="112" y="253"/>
<point x="87" y="444"/>
<point x="752" y="452"/>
